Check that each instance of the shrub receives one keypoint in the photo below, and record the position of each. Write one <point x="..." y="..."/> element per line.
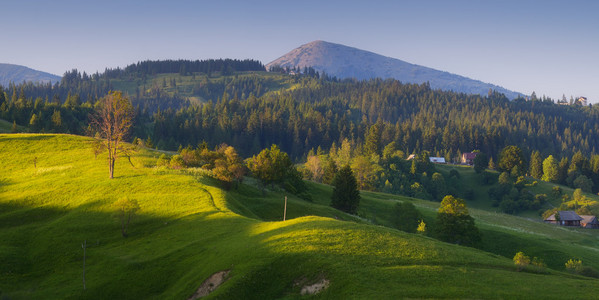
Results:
<point x="162" y="161"/>
<point x="421" y="227"/>
<point x="556" y="192"/>
<point x="538" y="265"/>
<point x="405" y="217"/>
<point x="574" y="266"/>
<point x="521" y="261"/>
<point x="177" y="162"/>
<point x="589" y="272"/>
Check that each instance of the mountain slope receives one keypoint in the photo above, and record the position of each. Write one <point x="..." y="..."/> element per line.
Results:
<point x="186" y="230"/>
<point x="17" y="74"/>
<point x="348" y="62"/>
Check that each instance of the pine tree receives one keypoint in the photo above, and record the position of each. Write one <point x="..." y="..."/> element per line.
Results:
<point x="480" y="162"/>
<point x="346" y="196"/>
<point x="491" y="164"/>
<point x="373" y="141"/>
<point x="536" y="165"/>
<point x="330" y="170"/>
<point x="413" y="167"/>
<point x="562" y="170"/>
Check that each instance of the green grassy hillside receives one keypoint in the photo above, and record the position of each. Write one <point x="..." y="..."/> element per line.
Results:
<point x="481" y="200"/>
<point x="54" y="195"/>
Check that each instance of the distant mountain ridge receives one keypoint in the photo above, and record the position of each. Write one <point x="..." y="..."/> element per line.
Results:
<point x="348" y="62"/>
<point x="17" y="74"/>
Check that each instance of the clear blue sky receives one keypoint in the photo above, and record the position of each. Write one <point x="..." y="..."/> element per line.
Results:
<point x="549" y="47"/>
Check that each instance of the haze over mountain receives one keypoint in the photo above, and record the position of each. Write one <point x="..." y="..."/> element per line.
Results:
<point x="17" y="74"/>
<point x="348" y="62"/>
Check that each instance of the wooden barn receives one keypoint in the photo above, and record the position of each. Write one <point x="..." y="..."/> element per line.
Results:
<point x="566" y="218"/>
<point x="589" y="221"/>
<point x="468" y="158"/>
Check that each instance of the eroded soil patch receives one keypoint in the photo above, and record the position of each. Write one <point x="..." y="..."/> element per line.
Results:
<point x="210" y="284"/>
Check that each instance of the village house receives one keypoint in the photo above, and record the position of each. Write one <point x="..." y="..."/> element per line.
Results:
<point x="566" y="218"/>
<point x="589" y="221"/>
<point x="437" y="160"/>
<point x="468" y="158"/>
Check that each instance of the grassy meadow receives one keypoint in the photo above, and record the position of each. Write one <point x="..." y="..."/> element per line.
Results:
<point x="54" y="195"/>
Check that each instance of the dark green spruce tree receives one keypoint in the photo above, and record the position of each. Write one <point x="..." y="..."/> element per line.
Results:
<point x="481" y="162"/>
<point x="346" y="196"/>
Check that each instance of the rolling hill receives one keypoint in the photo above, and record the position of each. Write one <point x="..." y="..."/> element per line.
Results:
<point x="347" y="62"/>
<point x="55" y="196"/>
<point x="17" y="74"/>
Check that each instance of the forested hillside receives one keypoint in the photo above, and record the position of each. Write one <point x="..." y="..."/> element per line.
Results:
<point x="373" y="125"/>
<point x="219" y="101"/>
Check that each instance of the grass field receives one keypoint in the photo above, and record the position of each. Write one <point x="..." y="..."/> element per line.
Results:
<point x="54" y="195"/>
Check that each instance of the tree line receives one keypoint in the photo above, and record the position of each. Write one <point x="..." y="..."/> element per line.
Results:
<point x="316" y="113"/>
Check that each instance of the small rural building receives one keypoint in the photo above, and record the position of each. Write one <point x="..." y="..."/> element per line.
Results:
<point x="437" y="160"/>
<point x="468" y="158"/>
<point x="589" y="221"/>
<point x="412" y="156"/>
<point x="566" y="218"/>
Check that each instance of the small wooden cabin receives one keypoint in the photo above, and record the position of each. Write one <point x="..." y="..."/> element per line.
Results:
<point x="589" y="221"/>
<point x="566" y="218"/>
<point x="468" y="158"/>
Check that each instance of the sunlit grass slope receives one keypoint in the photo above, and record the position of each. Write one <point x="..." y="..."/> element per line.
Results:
<point x="502" y="234"/>
<point x="54" y="195"/>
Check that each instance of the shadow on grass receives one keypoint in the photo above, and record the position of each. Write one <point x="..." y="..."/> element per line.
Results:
<point x="41" y="246"/>
<point x="41" y="254"/>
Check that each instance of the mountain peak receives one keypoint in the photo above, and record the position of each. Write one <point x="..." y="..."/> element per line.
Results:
<point x="17" y="74"/>
<point x="348" y="62"/>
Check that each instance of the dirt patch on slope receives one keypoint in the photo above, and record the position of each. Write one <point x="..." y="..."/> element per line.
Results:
<point x="210" y="284"/>
<point x="314" y="287"/>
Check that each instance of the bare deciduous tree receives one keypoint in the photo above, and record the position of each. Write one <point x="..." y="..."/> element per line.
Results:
<point x="125" y="209"/>
<point x="112" y="120"/>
